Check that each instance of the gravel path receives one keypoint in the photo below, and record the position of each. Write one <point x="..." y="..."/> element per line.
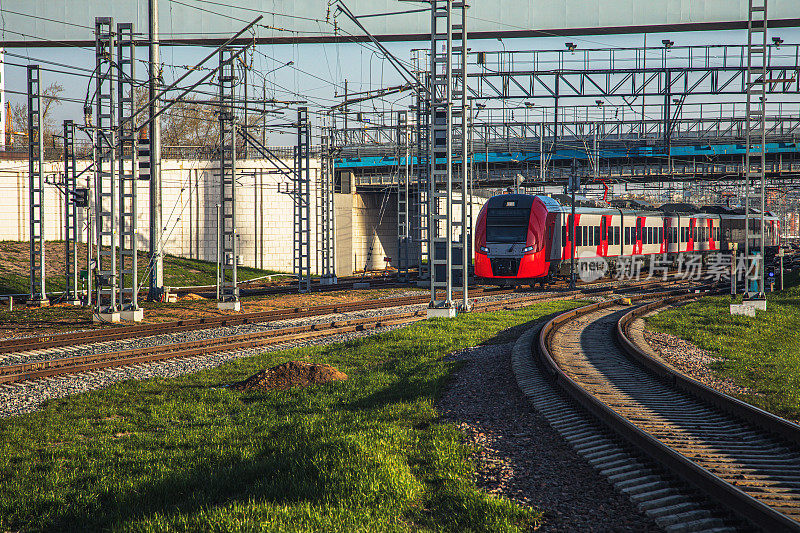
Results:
<point x="522" y="458"/>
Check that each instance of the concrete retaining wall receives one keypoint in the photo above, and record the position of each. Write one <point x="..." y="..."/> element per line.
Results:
<point x="264" y="211"/>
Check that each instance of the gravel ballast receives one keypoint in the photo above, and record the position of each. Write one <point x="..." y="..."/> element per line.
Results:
<point x="520" y="457"/>
<point x="25" y="397"/>
<point x="688" y="359"/>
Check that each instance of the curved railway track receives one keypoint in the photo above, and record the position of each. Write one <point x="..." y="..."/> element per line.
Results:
<point x="743" y="459"/>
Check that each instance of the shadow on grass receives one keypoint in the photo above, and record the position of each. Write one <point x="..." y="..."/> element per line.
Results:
<point x="282" y="476"/>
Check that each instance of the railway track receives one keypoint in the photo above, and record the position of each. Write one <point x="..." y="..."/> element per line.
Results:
<point x="662" y="435"/>
<point x="50" y="367"/>
<point x="278" y="336"/>
<point x="18" y="345"/>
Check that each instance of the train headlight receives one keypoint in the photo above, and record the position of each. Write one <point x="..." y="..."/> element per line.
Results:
<point x="527" y="250"/>
<point x="484" y="249"/>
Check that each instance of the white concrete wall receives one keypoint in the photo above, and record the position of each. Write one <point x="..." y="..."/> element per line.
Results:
<point x="264" y="211"/>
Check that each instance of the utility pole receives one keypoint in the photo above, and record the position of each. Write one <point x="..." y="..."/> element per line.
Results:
<point x="156" y="226"/>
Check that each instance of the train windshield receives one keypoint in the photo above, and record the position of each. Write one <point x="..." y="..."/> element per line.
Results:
<point x="507" y="224"/>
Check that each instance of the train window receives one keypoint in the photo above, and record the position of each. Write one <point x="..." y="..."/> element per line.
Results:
<point x="585" y="232"/>
<point x="590" y="240"/>
<point x="649" y="236"/>
<point x="507" y="224"/>
<point x="579" y="236"/>
<point x="597" y="235"/>
<point x="661" y="234"/>
<point x="603" y="230"/>
<point x="563" y="235"/>
<point x="616" y="234"/>
<point x="627" y="235"/>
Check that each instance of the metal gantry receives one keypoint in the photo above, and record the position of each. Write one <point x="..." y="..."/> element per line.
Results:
<point x="38" y="294"/>
<point x="127" y="158"/>
<point x="325" y="215"/>
<point x="403" y="196"/>
<point x="70" y="216"/>
<point x="228" y="253"/>
<point x="105" y="172"/>
<point x="302" y="202"/>
<point x="420" y="219"/>
<point x="755" y="135"/>
<point x="447" y="235"/>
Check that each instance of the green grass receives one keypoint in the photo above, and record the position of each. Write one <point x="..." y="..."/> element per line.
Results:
<point x="367" y="454"/>
<point x="761" y="353"/>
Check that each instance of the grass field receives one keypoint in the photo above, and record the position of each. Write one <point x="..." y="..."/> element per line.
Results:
<point x="178" y="271"/>
<point x="761" y="353"/>
<point x="367" y="454"/>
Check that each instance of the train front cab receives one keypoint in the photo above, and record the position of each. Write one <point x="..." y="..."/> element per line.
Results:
<point x="512" y="239"/>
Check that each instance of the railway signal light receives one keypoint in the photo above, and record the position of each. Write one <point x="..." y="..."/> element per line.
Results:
<point x="80" y="197"/>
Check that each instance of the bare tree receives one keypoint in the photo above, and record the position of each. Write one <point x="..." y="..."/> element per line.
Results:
<point x="50" y="98"/>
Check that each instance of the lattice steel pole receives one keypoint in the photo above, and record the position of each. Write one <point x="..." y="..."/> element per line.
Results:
<point x="464" y="117"/>
<point x="128" y="148"/>
<point x="403" y="200"/>
<point x="420" y="227"/>
<point x="756" y="131"/>
<point x="71" y="201"/>
<point x="447" y="87"/>
<point x="302" y="202"/>
<point x="105" y="174"/>
<point x="38" y="294"/>
<point x="229" y="287"/>
<point x="325" y="214"/>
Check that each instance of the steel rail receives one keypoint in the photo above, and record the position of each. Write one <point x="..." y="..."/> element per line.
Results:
<point x="17" y="345"/>
<point x="70" y="365"/>
<point x="730" y="497"/>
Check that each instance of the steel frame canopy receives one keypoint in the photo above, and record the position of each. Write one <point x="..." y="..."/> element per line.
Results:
<point x="67" y="23"/>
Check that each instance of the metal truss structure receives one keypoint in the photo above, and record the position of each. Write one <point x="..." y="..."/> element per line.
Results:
<point x="302" y="202"/>
<point x="326" y="267"/>
<point x="404" y="199"/>
<point x="128" y="172"/>
<point x="419" y="219"/>
<point x="71" y="230"/>
<point x="228" y="252"/>
<point x="447" y="235"/>
<point x="105" y="172"/>
<point x="38" y="293"/>
<point x="755" y="135"/>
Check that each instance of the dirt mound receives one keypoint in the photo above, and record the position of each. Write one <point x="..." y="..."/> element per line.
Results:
<point x="191" y="296"/>
<point x="291" y="374"/>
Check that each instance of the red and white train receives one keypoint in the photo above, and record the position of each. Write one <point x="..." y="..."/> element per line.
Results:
<point x="526" y="239"/>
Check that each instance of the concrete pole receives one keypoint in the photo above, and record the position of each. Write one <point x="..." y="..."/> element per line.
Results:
<point x="156" y="225"/>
